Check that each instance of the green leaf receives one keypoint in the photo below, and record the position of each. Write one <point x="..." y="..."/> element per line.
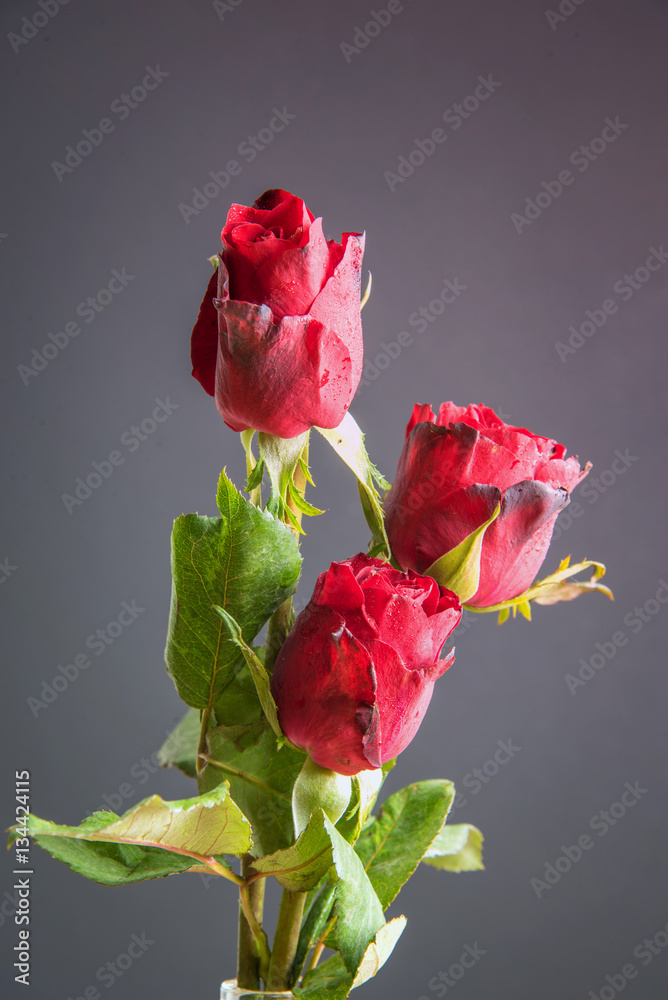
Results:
<point x="379" y="950"/>
<point x="180" y="747"/>
<point x="257" y="669"/>
<point x="115" y="864"/>
<point x="152" y="839"/>
<point x="459" y="569"/>
<point x="240" y="704"/>
<point x="246" y="562"/>
<point x="332" y="981"/>
<point x="392" y="846"/>
<point x="260" y="779"/>
<point x="359" y="915"/>
<point x="457" y="848"/>
<point x="347" y="441"/>
<point x="314" y="923"/>
<point x="300" y="867"/>
<point x="356" y="906"/>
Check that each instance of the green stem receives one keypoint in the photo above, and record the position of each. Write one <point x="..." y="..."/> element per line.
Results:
<point x="248" y="958"/>
<point x="246" y="439"/>
<point x="286" y="940"/>
<point x="319" y="947"/>
<point x="260" y="943"/>
<point x="280" y="622"/>
<point x="205" y="716"/>
<point x="278" y="627"/>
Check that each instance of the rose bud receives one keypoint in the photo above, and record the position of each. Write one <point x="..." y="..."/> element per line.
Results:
<point x="458" y="471"/>
<point x="355" y="676"/>
<point x="278" y="340"/>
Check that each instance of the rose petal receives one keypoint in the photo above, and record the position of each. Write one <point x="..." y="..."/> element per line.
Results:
<point x="277" y="378"/>
<point x="322" y="677"/>
<point x="449" y="520"/>
<point x="204" y="339"/>
<point x="402" y="699"/>
<point x="337" y="305"/>
<point x="516" y="543"/>
<point x="283" y="276"/>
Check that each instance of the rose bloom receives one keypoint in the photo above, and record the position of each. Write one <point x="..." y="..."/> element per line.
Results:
<point x="453" y="471"/>
<point x="278" y="339"/>
<point x="355" y="676"/>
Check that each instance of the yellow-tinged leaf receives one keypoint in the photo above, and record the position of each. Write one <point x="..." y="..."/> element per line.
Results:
<point x="379" y="950"/>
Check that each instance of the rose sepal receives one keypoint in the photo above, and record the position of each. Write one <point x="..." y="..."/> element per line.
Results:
<point x="319" y="788"/>
<point x="551" y="590"/>
<point x="365" y="788"/>
<point x="459" y="569"/>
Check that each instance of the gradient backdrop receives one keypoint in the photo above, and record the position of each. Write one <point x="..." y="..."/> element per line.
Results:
<point x="349" y="115"/>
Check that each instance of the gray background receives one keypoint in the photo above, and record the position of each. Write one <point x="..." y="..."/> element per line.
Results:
<point x="496" y="343"/>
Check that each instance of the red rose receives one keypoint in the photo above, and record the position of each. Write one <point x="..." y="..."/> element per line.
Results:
<point x="454" y="471"/>
<point x="355" y="677"/>
<point x="278" y="340"/>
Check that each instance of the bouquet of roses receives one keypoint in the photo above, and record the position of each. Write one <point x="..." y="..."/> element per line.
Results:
<point x="290" y="740"/>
